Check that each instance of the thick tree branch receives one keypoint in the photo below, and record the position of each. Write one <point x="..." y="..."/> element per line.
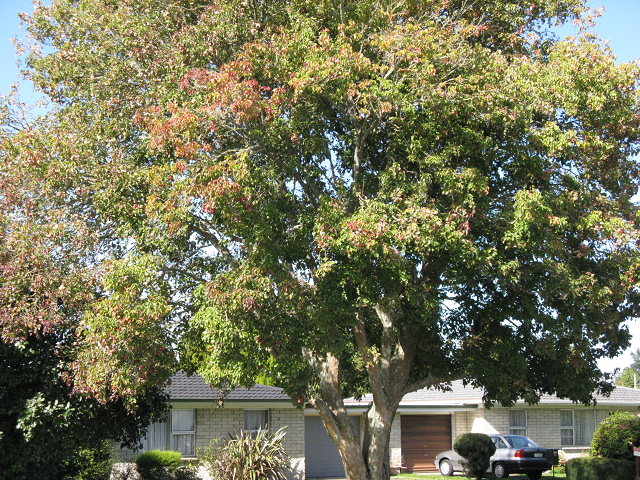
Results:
<point x="215" y="242"/>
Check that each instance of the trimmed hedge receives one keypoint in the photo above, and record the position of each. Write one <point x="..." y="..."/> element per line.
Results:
<point x="476" y="448"/>
<point x="157" y="463"/>
<point x="597" y="468"/>
<point x="616" y="436"/>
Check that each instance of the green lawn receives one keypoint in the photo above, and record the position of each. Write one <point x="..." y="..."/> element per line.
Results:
<point x="428" y="476"/>
<point x="548" y="476"/>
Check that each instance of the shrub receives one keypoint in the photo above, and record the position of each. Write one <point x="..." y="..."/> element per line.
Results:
<point x="476" y="448"/>
<point x="247" y="457"/>
<point x="185" y="472"/>
<point x="156" y="464"/>
<point x="597" y="468"/>
<point x="90" y="463"/>
<point x="96" y="463"/>
<point x="616" y="436"/>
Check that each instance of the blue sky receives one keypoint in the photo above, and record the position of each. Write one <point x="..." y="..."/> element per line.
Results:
<point x="620" y="25"/>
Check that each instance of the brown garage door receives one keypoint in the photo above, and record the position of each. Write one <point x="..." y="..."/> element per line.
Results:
<point x="423" y="437"/>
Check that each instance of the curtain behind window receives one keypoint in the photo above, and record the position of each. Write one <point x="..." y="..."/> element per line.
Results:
<point x="255" y="420"/>
<point x="156" y="438"/>
<point x="183" y="427"/>
<point x="182" y="421"/>
<point x="518" y="422"/>
<point x="584" y="427"/>
<point x="566" y="433"/>
<point x="183" y="444"/>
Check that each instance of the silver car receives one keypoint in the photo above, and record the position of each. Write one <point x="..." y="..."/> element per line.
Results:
<point x="514" y="454"/>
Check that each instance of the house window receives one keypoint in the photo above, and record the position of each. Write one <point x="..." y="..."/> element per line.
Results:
<point x="255" y="420"/>
<point x="576" y="427"/>
<point x="183" y="432"/>
<point x="518" y="422"/>
<point x="566" y="428"/>
<point x="156" y="437"/>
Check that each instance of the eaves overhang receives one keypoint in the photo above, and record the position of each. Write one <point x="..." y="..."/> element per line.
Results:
<point x="407" y="409"/>
<point x="231" y="404"/>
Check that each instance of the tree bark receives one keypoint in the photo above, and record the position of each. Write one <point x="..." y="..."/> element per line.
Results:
<point x="388" y="372"/>
<point x="330" y="405"/>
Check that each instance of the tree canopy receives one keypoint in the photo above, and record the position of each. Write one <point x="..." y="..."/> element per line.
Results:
<point x="348" y="197"/>
<point x="629" y="375"/>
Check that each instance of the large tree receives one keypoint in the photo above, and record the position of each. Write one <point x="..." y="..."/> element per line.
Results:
<point x="367" y="196"/>
<point x="48" y="278"/>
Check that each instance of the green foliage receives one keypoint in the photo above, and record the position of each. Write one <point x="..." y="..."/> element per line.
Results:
<point x="248" y="456"/>
<point x="344" y="197"/>
<point x="562" y="463"/>
<point x="476" y="449"/>
<point x="616" y="436"/>
<point x="93" y="463"/>
<point x="595" y="468"/>
<point x="45" y="428"/>
<point x="155" y="464"/>
<point x="630" y="375"/>
<point x="628" y="378"/>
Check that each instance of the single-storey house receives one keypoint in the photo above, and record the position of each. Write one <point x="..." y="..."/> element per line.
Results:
<point x="427" y="422"/>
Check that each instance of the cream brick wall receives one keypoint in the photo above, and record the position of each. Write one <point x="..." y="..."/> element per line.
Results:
<point x="478" y="420"/>
<point x="293" y="420"/>
<point x="218" y="423"/>
<point x="461" y="422"/>
<point x="395" y="443"/>
<point x="543" y="424"/>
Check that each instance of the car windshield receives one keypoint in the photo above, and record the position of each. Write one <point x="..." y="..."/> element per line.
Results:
<point x="521" y="442"/>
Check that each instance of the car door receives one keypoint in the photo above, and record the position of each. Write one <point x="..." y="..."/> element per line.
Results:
<point x="502" y="449"/>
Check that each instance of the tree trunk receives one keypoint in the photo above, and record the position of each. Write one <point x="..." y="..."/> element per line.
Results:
<point x="334" y="415"/>
<point x="388" y="373"/>
<point x="369" y="461"/>
<point x="375" y="445"/>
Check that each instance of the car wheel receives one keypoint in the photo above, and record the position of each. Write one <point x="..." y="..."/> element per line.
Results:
<point x="500" y="471"/>
<point x="534" y="475"/>
<point x="446" y="468"/>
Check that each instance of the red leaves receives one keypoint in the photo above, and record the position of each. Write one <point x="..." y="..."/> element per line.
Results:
<point x="39" y="277"/>
<point x="220" y="194"/>
<point x="124" y="337"/>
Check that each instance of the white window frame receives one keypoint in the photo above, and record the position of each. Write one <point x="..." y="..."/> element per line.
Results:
<point x="574" y="442"/>
<point x="253" y="431"/>
<point x="184" y="433"/>
<point x="568" y="428"/>
<point x="518" y="429"/>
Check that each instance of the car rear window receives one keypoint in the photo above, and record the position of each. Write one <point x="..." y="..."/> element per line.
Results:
<point x="521" y="442"/>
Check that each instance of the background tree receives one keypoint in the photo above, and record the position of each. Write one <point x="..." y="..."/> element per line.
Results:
<point x="629" y="375"/>
<point x="46" y="430"/>
<point x="348" y="197"/>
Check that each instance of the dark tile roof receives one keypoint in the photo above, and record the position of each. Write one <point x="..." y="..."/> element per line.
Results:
<point x="457" y="394"/>
<point x="194" y="388"/>
<point x="619" y="396"/>
<point x="461" y="394"/>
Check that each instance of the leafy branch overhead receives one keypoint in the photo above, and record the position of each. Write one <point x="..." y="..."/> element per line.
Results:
<point x="345" y="197"/>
